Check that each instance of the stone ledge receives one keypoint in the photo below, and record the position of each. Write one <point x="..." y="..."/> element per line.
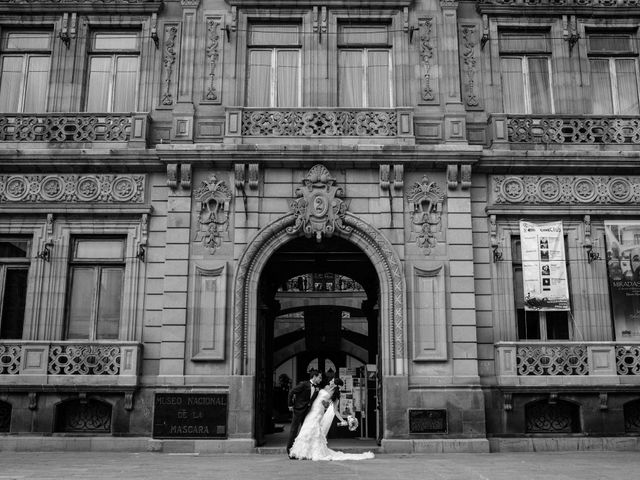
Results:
<point x="420" y="446"/>
<point x="17" y="443"/>
<point x="556" y="444"/>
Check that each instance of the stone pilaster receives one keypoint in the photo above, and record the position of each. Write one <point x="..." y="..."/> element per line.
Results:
<point x="174" y="304"/>
<point x="183" y="113"/>
<point x="454" y="116"/>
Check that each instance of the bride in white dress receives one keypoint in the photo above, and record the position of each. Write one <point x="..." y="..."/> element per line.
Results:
<point x="311" y="442"/>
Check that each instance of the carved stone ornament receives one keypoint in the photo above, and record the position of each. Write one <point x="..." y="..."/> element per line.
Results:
<point x="425" y="204"/>
<point x="214" y="196"/>
<point x="565" y="190"/>
<point x="319" y="208"/>
<point x="426" y="57"/>
<point x="213" y="55"/>
<point x="168" y="61"/>
<point x="61" y="188"/>
<point x="470" y="64"/>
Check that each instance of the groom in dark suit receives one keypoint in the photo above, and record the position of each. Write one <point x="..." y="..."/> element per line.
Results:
<point x="300" y="399"/>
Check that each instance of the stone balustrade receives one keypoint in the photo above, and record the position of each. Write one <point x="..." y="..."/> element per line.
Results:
<point x="127" y="129"/>
<point x="24" y="362"/>
<point x="319" y="122"/>
<point x="567" y="363"/>
<point x="564" y="129"/>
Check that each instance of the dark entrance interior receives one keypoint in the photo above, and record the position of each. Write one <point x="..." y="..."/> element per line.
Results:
<point x="318" y="308"/>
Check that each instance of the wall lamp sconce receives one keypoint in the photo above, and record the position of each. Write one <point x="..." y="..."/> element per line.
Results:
<point x="591" y="255"/>
<point x="45" y="253"/>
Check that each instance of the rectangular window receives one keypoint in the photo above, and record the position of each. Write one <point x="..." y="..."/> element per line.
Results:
<point x="614" y="74"/>
<point x="364" y="67"/>
<point x="274" y="66"/>
<point x="95" y="291"/>
<point x="24" y="71"/>
<point x="113" y="66"/>
<point x="525" y="66"/>
<point x="534" y="325"/>
<point x="14" y="270"/>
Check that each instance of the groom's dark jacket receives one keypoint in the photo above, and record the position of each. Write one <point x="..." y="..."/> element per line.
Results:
<point x="300" y="397"/>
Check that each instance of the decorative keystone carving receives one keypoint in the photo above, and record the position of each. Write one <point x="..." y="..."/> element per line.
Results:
<point x="319" y="209"/>
<point x="214" y="196"/>
<point x="425" y="204"/>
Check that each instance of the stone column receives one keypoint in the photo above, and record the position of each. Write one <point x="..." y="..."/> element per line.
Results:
<point x="184" y="111"/>
<point x="176" y="276"/>
<point x="454" y="114"/>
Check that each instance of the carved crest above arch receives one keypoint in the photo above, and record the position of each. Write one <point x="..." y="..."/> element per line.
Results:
<point x="214" y="196"/>
<point x="319" y="208"/>
<point x="425" y="206"/>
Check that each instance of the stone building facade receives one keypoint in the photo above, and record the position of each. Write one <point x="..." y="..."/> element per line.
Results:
<point x="197" y="196"/>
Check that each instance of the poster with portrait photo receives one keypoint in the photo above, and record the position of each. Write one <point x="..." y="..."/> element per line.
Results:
<point x="544" y="270"/>
<point x="622" y="240"/>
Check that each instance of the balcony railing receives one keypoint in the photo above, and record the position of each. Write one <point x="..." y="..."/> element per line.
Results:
<point x="69" y="362"/>
<point x="566" y="3"/>
<point x="565" y="129"/>
<point x="319" y="122"/>
<point x="530" y="363"/>
<point x="129" y="129"/>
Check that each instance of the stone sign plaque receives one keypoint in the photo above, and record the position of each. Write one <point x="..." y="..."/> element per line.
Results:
<point x="190" y="415"/>
<point x="427" y="421"/>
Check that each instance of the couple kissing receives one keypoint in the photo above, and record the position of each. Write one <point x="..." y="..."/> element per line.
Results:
<point x="314" y="405"/>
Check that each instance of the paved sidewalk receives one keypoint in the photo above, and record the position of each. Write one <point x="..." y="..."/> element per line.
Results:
<point x="158" y="466"/>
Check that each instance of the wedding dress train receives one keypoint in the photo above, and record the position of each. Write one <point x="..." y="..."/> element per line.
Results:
<point x="311" y="442"/>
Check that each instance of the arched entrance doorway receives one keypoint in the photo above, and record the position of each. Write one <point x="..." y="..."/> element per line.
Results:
<point x="391" y="322"/>
<point x="318" y="308"/>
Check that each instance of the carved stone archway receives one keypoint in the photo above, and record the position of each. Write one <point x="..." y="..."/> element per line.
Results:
<point x="384" y="259"/>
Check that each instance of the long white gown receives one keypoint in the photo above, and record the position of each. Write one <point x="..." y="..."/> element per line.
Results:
<point x="311" y="442"/>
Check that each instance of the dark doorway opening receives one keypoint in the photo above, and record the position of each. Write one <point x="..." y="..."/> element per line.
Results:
<point x="318" y="308"/>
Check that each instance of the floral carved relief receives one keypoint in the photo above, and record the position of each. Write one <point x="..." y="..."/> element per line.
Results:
<point x="425" y="206"/>
<point x="168" y="61"/>
<point x="213" y="55"/>
<point x="426" y="57"/>
<point x="566" y="190"/>
<point x="72" y="188"/>
<point x="470" y="63"/>
<point x="214" y="196"/>
<point x="319" y="209"/>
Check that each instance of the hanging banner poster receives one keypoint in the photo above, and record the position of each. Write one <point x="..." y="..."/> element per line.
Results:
<point x="623" y="268"/>
<point x="544" y="271"/>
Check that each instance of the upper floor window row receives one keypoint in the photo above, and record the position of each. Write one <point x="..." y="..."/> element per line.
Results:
<point x="25" y="64"/>
<point x="112" y="71"/>
<point x="274" y="66"/>
<point x="527" y="73"/>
